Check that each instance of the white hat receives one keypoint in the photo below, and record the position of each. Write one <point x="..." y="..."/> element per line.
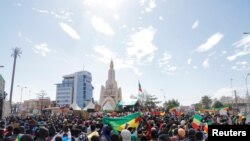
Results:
<point x="183" y="122"/>
<point x="126" y="135"/>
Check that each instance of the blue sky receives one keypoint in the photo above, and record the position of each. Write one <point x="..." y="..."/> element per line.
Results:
<point x="187" y="48"/>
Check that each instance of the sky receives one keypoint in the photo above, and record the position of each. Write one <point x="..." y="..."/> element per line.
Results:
<point x="177" y="48"/>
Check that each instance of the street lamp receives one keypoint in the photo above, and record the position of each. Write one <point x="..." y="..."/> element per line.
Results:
<point x="22" y="87"/>
<point x="247" y="91"/>
<point x="164" y="97"/>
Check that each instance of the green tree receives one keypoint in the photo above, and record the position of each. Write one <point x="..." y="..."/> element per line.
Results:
<point x="151" y="101"/>
<point x="198" y="106"/>
<point x="217" y="104"/>
<point x="206" y="101"/>
<point x="171" y="104"/>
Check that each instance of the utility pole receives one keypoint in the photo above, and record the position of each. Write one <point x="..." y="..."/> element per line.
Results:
<point x="247" y="94"/>
<point x="164" y="98"/>
<point x="235" y="95"/>
<point x="236" y="100"/>
<point x="22" y="87"/>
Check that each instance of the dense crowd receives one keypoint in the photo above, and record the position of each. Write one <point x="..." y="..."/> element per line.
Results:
<point x="167" y="127"/>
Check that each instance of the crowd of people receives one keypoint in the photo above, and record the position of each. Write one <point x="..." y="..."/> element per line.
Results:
<point x="167" y="127"/>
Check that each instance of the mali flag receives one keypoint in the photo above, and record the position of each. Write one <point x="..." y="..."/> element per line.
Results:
<point x="140" y="89"/>
<point x="121" y="123"/>
<point x="206" y="126"/>
<point x="196" y="121"/>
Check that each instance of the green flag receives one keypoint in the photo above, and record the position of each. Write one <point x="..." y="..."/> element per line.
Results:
<point x="124" y="122"/>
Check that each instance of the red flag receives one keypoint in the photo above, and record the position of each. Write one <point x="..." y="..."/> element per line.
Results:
<point x="140" y="90"/>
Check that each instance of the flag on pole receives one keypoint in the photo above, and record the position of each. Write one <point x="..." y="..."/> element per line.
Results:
<point x="206" y="126"/>
<point x="140" y="89"/>
<point x="124" y="122"/>
<point x="196" y="121"/>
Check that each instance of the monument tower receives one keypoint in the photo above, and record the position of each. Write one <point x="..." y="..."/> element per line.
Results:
<point x="110" y="94"/>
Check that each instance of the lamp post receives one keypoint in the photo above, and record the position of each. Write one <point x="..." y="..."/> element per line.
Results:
<point x="22" y="87"/>
<point x="247" y="94"/>
<point x="164" y="97"/>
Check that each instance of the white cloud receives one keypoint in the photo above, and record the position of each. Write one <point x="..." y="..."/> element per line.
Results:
<point x="161" y="18"/>
<point x="205" y="63"/>
<point x="69" y="30"/>
<point x="141" y="43"/>
<point x="238" y="54"/>
<point x="195" y="24"/>
<point x="101" y="26"/>
<point x="164" y="64"/>
<point x="245" y="41"/>
<point x="105" y="55"/>
<point x="27" y="39"/>
<point x="242" y="48"/>
<point x="19" y="34"/>
<point x="149" y="5"/>
<point x="234" y="67"/>
<point x="62" y="15"/>
<point x="224" y="52"/>
<point x="210" y="43"/>
<point x="241" y="66"/>
<point x="117" y="16"/>
<point x="227" y="91"/>
<point x="165" y="59"/>
<point x="242" y="63"/>
<point x="102" y="4"/>
<point x="195" y="67"/>
<point x="189" y="61"/>
<point x="42" y="49"/>
<point x="136" y="70"/>
<point x="17" y="4"/>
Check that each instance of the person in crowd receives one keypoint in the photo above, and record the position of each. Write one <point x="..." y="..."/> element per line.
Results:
<point x="16" y="132"/>
<point x="164" y="137"/>
<point x="42" y="134"/>
<point x="58" y="138"/>
<point x="106" y="133"/>
<point x="26" y="137"/>
<point x="93" y="131"/>
<point x="9" y="131"/>
<point x="126" y="135"/>
<point x="95" y="138"/>
<point x="154" y="135"/>
<point x="182" y="134"/>
<point x="175" y="136"/>
<point x="115" y="137"/>
<point x="52" y="133"/>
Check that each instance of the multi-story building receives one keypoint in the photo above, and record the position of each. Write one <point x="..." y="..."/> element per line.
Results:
<point x="76" y="88"/>
<point x="2" y="95"/>
<point x="2" y="84"/>
<point x="36" y="105"/>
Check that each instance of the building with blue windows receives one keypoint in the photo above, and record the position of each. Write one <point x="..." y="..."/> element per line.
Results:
<point x="75" y="88"/>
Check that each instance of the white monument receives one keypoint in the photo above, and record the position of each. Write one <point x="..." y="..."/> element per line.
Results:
<point x="111" y="94"/>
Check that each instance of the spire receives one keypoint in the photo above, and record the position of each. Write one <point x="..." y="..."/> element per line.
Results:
<point x="111" y="64"/>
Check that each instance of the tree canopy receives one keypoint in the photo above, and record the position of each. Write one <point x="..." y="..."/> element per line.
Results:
<point x="206" y="101"/>
<point x="171" y="104"/>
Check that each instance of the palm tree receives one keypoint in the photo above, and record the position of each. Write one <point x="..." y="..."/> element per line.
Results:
<point x="16" y="53"/>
